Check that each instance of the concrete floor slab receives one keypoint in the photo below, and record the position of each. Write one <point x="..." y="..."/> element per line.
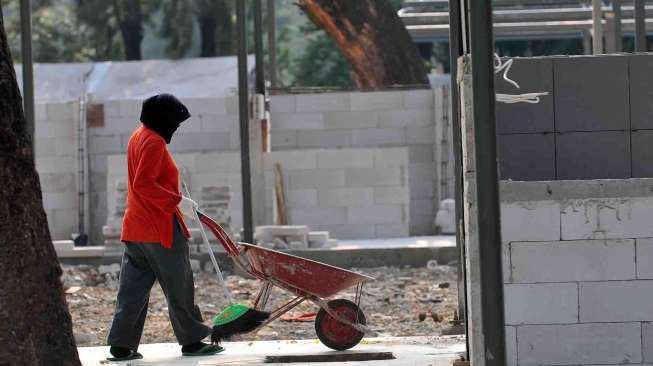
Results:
<point x="434" y="351"/>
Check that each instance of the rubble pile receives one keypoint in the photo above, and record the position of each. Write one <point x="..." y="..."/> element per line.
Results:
<point x="401" y="302"/>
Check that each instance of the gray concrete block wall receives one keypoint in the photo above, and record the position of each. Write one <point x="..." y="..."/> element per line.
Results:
<point x="56" y="163"/>
<point x="577" y="259"/>
<point x="372" y="119"/>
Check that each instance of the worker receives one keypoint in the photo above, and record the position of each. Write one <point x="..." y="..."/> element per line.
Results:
<point x="155" y="238"/>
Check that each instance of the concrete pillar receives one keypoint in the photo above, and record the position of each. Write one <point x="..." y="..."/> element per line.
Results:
<point x="597" y="27"/>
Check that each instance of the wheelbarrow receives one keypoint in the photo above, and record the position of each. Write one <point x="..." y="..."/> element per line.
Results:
<point x="340" y="323"/>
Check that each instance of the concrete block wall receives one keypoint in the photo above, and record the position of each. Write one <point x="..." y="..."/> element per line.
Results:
<point x="577" y="259"/>
<point x="56" y="163"/>
<point x="212" y="127"/>
<point x="354" y="193"/>
<point x="410" y="119"/>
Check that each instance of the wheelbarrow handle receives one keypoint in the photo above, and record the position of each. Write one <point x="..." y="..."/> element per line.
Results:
<point x="229" y="246"/>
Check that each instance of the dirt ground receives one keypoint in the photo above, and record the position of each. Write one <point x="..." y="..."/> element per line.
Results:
<point x="400" y="302"/>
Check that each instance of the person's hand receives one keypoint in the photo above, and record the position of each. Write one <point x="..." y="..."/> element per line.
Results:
<point x="188" y="207"/>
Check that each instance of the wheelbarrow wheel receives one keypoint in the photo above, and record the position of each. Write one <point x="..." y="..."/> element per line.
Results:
<point x="335" y="334"/>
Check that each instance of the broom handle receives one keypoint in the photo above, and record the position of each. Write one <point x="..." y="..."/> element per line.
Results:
<point x="227" y="295"/>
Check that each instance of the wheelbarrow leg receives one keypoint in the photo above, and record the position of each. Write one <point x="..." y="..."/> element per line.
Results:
<point x="263" y="296"/>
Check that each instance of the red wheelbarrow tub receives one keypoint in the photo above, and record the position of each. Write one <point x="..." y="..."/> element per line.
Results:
<point x="316" y="278"/>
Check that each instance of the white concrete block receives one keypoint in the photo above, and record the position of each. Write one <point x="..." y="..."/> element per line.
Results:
<point x="318" y="216"/>
<point x="368" y="101"/>
<point x="391" y="195"/>
<point x="54" y="129"/>
<point x="116" y="164"/>
<point x="421" y="171"/>
<point x="62" y="112"/>
<point x="418" y="98"/>
<point x="116" y="126"/>
<point x="59" y="200"/>
<point x="422" y="153"/>
<point x="205" y="105"/>
<point x="40" y="112"/>
<point x="327" y="139"/>
<point x="291" y="160"/>
<point x="105" y="145"/>
<point x="284" y="139"/>
<point x="282" y="104"/>
<point x="616" y="301"/>
<point x="58" y="182"/>
<point x="346" y="197"/>
<point x="511" y="346"/>
<point x="66" y="146"/>
<point x="390" y="157"/>
<point x="56" y="165"/>
<point x="45" y="146"/>
<point x="232" y="105"/>
<point x="193" y="124"/>
<point x="217" y="163"/>
<point x="349" y="231"/>
<point x="607" y="218"/>
<point x="422" y="189"/>
<point x="544" y="303"/>
<point x="374" y="137"/>
<point x="404" y="118"/>
<point x="218" y="122"/>
<point x="323" y="102"/>
<point x="576" y="344"/>
<point x="131" y="108"/>
<point x="583" y="260"/>
<point x="320" y="178"/>
<point x="391" y="230"/>
<point x="351" y="119"/>
<point x="297" y="121"/>
<point x="375" y="177"/>
<point x="200" y="141"/>
<point x="420" y="134"/>
<point x="354" y="158"/>
<point x="301" y="198"/>
<point x="644" y="258"/>
<point x="378" y="214"/>
<point x="530" y="221"/>
<point x="647" y="341"/>
<point x="111" y="109"/>
<point x="505" y="262"/>
<point x="422" y="208"/>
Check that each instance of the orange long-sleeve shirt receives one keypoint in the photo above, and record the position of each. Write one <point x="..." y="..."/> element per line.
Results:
<point x="152" y="190"/>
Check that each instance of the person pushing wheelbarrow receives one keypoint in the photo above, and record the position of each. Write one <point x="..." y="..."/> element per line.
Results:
<point x="156" y="238"/>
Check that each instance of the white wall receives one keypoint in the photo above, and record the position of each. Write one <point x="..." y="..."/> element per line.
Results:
<point x="577" y="270"/>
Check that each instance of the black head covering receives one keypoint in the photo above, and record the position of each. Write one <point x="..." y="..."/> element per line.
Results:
<point x="164" y="113"/>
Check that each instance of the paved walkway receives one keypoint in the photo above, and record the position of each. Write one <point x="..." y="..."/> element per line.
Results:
<point x="434" y="351"/>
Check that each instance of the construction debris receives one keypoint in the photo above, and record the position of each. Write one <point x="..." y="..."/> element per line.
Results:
<point x="389" y="309"/>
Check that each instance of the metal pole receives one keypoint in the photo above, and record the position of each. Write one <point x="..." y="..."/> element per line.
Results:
<point x="28" y="71"/>
<point x="640" y="26"/>
<point x="618" y="34"/>
<point x="243" y="106"/>
<point x="455" y="51"/>
<point x="272" y="43"/>
<point x="597" y="27"/>
<point x="258" y="47"/>
<point x="489" y="227"/>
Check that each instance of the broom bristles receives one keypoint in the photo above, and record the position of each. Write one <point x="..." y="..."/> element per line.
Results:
<point x="246" y="323"/>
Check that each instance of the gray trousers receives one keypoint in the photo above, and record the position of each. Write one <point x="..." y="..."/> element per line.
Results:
<point x="142" y="264"/>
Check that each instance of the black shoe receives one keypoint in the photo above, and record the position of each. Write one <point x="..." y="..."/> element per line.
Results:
<point x="123" y="354"/>
<point x="200" y="349"/>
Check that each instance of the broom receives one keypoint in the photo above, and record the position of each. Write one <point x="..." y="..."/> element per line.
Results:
<point x="236" y="318"/>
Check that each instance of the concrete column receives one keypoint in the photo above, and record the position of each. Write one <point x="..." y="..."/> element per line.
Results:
<point x="597" y="27"/>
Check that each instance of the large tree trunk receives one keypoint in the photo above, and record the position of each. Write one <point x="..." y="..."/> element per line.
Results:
<point x="35" y="326"/>
<point x="208" y="25"/>
<point x="130" y="20"/>
<point x="371" y="36"/>
<point x="216" y="27"/>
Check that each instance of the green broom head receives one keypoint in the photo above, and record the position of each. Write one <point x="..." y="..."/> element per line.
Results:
<point x="236" y="319"/>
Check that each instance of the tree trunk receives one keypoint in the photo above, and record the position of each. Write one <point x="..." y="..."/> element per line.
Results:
<point x="35" y="326"/>
<point x="208" y="25"/>
<point x="371" y="36"/>
<point x="130" y="20"/>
